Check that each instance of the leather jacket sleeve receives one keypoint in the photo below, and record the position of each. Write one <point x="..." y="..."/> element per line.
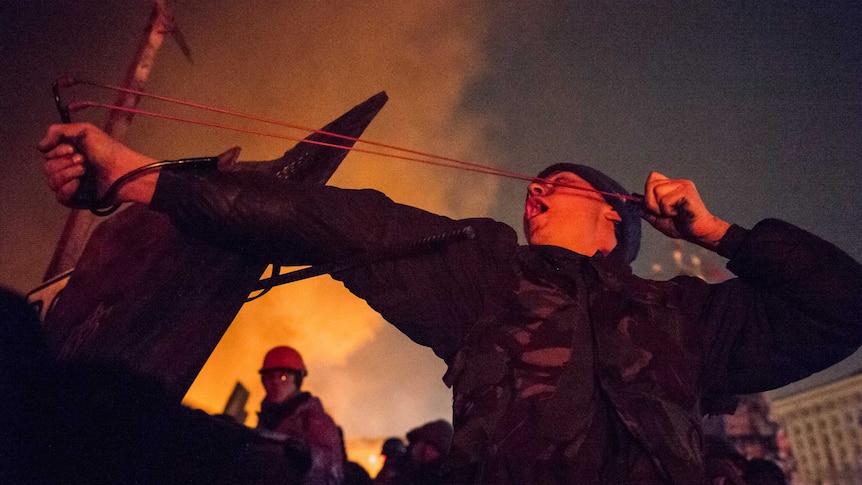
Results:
<point x="432" y="297"/>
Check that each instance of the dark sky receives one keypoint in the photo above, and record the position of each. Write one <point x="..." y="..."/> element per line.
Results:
<point x="760" y="103"/>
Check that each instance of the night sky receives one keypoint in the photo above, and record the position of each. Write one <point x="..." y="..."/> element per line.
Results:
<point x="760" y="103"/>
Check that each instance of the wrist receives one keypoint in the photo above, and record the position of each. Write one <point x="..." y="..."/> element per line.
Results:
<point x="713" y="235"/>
<point x="140" y="187"/>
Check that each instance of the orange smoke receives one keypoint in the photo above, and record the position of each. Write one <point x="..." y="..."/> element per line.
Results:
<point x="307" y="63"/>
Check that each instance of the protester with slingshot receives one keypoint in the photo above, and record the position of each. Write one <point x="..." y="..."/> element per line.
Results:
<point x="565" y="367"/>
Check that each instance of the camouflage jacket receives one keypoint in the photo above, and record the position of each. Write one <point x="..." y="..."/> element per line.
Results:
<point x="563" y="368"/>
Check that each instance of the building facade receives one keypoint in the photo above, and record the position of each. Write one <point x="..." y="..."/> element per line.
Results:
<point x="823" y="427"/>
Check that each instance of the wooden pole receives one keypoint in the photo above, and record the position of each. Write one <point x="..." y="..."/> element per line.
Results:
<point x="81" y="223"/>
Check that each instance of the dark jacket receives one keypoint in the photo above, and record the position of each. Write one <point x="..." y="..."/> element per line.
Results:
<point x="303" y="417"/>
<point x="564" y="368"/>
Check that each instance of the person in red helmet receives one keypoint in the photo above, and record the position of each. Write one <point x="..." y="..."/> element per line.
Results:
<point x="288" y="410"/>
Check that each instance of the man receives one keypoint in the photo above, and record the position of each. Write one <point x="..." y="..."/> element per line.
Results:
<point x="395" y="461"/>
<point x="565" y="367"/>
<point x="287" y="410"/>
<point x="424" y="462"/>
<point x="428" y="447"/>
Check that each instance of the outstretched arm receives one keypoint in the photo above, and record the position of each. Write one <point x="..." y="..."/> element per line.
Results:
<point x="69" y="148"/>
<point x="674" y="207"/>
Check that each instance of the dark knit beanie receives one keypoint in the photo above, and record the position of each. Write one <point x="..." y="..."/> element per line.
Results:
<point x="628" y="231"/>
<point x="439" y="433"/>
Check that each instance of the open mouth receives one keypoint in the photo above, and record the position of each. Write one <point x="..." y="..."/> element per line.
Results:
<point x="534" y="207"/>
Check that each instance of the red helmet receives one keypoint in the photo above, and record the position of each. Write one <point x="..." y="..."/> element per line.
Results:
<point x="283" y="357"/>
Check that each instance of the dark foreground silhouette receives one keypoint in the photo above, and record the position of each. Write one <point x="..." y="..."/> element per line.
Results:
<point x="76" y="422"/>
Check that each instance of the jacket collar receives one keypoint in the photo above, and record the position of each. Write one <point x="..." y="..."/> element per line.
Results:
<point x="568" y="261"/>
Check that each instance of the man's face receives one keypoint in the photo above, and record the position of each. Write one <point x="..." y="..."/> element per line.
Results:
<point x="568" y="212"/>
<point x="424" y="452"/>
<point x="279" y="385"/>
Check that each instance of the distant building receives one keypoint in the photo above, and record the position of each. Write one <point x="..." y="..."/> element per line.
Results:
<point x="823" y="427"/>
